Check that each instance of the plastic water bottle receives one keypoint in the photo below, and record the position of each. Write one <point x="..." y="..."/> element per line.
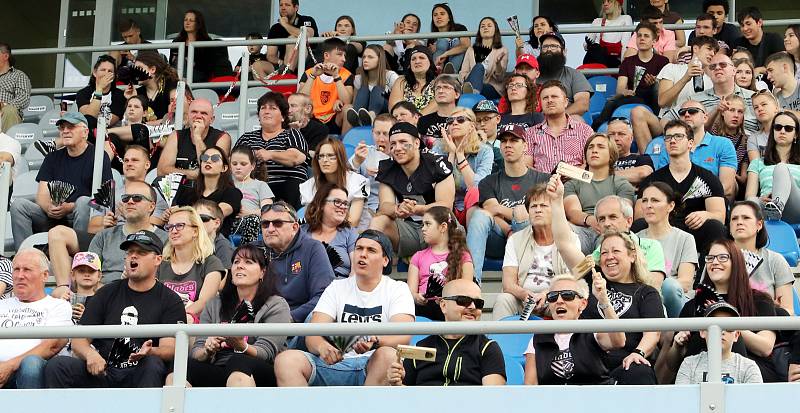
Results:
<point x="697" y="81"/>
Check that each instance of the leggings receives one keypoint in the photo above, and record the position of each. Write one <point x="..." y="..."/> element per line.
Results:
<point x="202" y="374"/>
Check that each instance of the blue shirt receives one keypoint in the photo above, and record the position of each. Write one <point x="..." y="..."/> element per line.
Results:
<point x="713" y="153"/>
<point x="654" y="149"/>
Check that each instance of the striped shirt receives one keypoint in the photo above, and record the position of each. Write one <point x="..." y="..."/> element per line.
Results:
<point x="15" y="89"/>
<point x="286" y="139"/>
<point x="548" y="150"/>
<point x="5" y="277"/>
<point x="710" y="101"/>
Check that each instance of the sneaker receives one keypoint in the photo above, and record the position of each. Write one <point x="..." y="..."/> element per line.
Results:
<point x="352" y="117"/>
<point x="467" y="88"/>
<point x="773" y="210"/>
<point x="45" y="147"/>
<point x="365" y="117"/>
<point x="449" y="69"/>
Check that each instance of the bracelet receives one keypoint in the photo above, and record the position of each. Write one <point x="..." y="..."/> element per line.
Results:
<point x="62" y="285"/>
<point x="603" y="306"/>
<point x="461" y="161"/>
<point x="462" y="167"/>
<point x="337" y="78"/>
<point x="312" y="77"/>
<point x="246" y="346"/>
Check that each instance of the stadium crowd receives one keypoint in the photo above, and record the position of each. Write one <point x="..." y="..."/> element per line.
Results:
<point x="287" y="224"/>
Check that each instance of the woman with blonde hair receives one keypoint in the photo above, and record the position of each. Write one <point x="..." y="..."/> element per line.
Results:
<point x="471" y="157"/>
<point x="190" y="267"/>
<point x="730" y="124"/>
<point x="745" y="76"/>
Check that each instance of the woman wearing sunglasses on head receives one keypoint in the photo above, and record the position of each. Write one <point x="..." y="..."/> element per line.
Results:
<point x="774" y="180"/>
<point x="572" y="358"/>
<point x="473" y="158"/>
<point x="189" y="267"/>
<point x="725" y="278"/>
<point x="630" y="285"/>
<point x="216" y="184"/>
<point x="326" y="222"/>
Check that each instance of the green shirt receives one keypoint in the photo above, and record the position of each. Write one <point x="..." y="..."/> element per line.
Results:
<point x="765" y="175"/>
<point x="651" y="249"/>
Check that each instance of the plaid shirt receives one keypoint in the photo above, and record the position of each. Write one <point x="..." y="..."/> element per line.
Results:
<point x="548" y="150"/>
<point x="15" y="89"/>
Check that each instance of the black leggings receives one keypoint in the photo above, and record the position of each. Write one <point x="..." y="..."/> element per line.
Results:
<point x="203" y="374"/>
<point x="288" y="191"/>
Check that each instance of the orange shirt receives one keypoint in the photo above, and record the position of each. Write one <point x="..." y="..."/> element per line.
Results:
<point x="323" y="95"/>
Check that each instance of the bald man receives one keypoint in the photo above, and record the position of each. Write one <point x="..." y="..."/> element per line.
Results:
<point x="481" y="360"/>
<point x="183" y="147"/>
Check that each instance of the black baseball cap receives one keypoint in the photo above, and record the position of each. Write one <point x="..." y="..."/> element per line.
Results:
<point x="552" y="35"/>
<point x="144" y="239"/>
<point x="404" y="127"/>
<point x="386" y="246"/>
<point x="485" y="106"/>
<point x="721" y="306"/>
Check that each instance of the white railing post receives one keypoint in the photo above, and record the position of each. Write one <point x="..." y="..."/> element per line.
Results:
<point x="181" y="64"/>
<point x="99" y="152"/>
<point x="712" y="392"/>
<point x="189" y="68"/>
<point x="180" y="101"/>
<point x="5" y="181"/>
<point x="301" y="55"/>
<point x="243" y="76"/>
<point x="180" y="362"/>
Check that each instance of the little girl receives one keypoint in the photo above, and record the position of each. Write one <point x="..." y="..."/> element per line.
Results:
<point x="85" y="282"/>
<point x="255" y="193"/>
<point x="447" y="249"/>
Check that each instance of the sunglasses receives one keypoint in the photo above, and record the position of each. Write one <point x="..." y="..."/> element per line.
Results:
<point x="720" y="65"/>
<point x="178" y="227"/>
<point x="567" y="295"/>
<point x="466" y="301"/>
<point x="691" y="111"/>
<point x="280" y="206"/>
<point x="137" y="197"/>
<point x="338" y="203"/>
<point x="620" y="119"/>
<point x="277" y="223"/>
<point x="720" y="257"/>
<point x="210" y="158"/>
<point x="777" y="127"/>
<point x="206" y="218"/>
<point x="457" y="119"/>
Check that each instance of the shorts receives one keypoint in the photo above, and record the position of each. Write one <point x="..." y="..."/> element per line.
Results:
<point x="351" y="371"/>
<point x="410" y="234"/>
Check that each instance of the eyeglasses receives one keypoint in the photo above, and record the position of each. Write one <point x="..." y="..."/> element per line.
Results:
<point x="466" y="301"/>
<point x="720" y="257"/>
<point x="211" y="158"/>
<point x="137" y="197"/>
<point x="567" y="295"/>
<point x="485" y="119"/>
<point x="178" y="227"/>
<point x="691" y="111"/>
<point x="206" y="218"/>
<point x="674" y="136"/>
<point x="280" y="206"/>
<point x="338" y="203"/>
<point x="777" y="127"/>
<point x="277" y="223"/>
<point x="516" y="85"/>
<point x="457" y="119"/>
<point x="720" y="65"/>
<point x="551" y="47"/>
<point x="326" y="156"/>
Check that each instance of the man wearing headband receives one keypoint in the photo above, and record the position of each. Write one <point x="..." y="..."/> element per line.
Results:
<point x="370" y="296"/>
<point x="411" y="183"/>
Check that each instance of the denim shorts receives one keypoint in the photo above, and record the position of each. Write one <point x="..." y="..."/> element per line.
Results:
<point x="352" y="371"/>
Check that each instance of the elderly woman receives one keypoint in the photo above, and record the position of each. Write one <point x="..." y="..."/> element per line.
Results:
<point x="281" y="149"/>
<point x="472" y="158"/>
<point x="572" y="358"/>
<point x="630" y="287"/>
<point x="326" y="222"/>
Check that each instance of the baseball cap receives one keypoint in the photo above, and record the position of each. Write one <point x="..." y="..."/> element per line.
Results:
<point x="721" y="306"/>
<point x="552" y="35"/>
<point x="386" y="246"/>
<point x="88" y="259"/>
<point x="485" y="106"/>
<point x="528" y="59"/>
<point x="144" y="239"/>
<point x="73" y="118"/>
<point x="404" y="127"/>
<point x="510" y="129"/>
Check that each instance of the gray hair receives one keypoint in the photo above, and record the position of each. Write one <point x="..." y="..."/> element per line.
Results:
<point x="581" y="287"/>
<point x="624" y="205"/>
<point x="44" y="263"/>
<point x="626" y="123"/>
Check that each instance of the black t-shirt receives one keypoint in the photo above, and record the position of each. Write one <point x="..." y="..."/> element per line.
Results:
<point x="509" y="191"/>
<point x="459" y="362"/>
<point x="420" y="186"/>
<point x="78" y="171"/>
<point x="278" y="32"/>
<point x="770" y="43"/>
<point x="633" y="160"/>
<point x="314" y="133"/>
<point x="653" y="67"/>
<point x="630" y="301"/>
<point x="116" y="304"/>
<point x="431" y="125"/>
<point x="124" y="57"/>
<point x="232" y="196"/>
<point x="253" y="58"/>
<point x="698" y="186"/>
<point x="457" y="27"/>
<point x="117" y="103"/>
<point x="160" y="103"/>
<point x="526" y="120"/>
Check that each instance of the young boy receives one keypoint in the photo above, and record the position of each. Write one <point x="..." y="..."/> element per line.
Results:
<point x="85" y="282"/>
<point x="258" y="60"/>
<point x="736" y="368"/>
<point x="329" y="85"/>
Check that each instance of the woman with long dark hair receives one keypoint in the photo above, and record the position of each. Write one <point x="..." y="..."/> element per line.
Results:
<point x="395" y="50"/>
<point x="326" y="222"/>
<point x="249" y="296"/>
<point x="540" y="25"/>
<point x="345" y="26"/>
<point x="373" y="84"/>
<point x="163" y="79"/>
<point x="208" y="61"/>
<point x="447" y="50"/>
<point x="416" y="85"/>
<point x="485" y="62"/>
<point x="791" y="42"/>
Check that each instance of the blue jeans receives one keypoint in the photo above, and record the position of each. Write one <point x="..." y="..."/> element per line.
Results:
<point x="29" y="375"/>
<point x="484" y="237"/>
<point x="351" y="371"/>
<point x="475" y="78"/>
<point x="443" y="45"/>
<point x="371" y="100"/>
<point x="674" y="298"/>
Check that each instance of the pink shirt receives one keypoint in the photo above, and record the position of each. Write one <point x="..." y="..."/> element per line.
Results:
<point x="431" y="264"/>
<point x="665" y="42"/>
<point x="548" y="150"/>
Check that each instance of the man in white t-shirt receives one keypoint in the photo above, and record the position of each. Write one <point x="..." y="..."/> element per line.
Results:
<point x="367" y="297"/>
<point x="22" y="361"/>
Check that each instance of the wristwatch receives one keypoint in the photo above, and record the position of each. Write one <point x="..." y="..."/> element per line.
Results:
<point x="639" y="352"/>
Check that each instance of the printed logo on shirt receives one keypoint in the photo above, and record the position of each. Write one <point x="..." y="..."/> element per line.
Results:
<point x="709" y="160"/>
<point x="123" y="347"/>
<point x="621" y="302"/>
<point x="325" y="97"/>
<point x="297" y="267"/>
<point x="354" y="314"/>
<point x="726" y="378"/>
<point x="563" y="366"/>
<point x="515" y="187"/>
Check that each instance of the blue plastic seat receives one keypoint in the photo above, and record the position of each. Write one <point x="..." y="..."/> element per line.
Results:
<point x="604" y="87"/>
<point x="513" y="345"/>
<point x="417" y="338"/>
<point x="468" y="100"/>
<point x="624" y="111"/>
<point x="515" y="372"/>
<point x="356" y="135"/>
<point x="796" y="301"/>
<point x="783" y="240"/>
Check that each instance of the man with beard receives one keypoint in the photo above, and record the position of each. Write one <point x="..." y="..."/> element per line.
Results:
<point x="553" y="66"/>
<point x="300" y="110"/>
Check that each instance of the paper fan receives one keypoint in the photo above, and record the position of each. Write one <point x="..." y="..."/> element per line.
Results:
<point x="705" y="295"/>
<point x="105" y="197"/>
<point x="244" y="313"/>
<point x="168" y="186"/>
<point x="59" y="191"/>
<point x="527" y="309"/>
<point x="698" y="189"/>
<point x="513" y="21"/>
<point x="751" y="261"/>
<point x="343" y="343"/>
<point x="333" y="256"/>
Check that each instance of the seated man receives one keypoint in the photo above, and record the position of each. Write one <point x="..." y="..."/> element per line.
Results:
<point x="631" y="166"/>
<point x="131" y="33"/>
<point x="722" y="73"/>
<point x="380" y="137"/>
<point x="446" y="91"/>
<point x="15" y="90"/>
<point x="73" y="164"/>
<point x="665" y="45"/>
<point x="405" y="111"/>
<point x="299" y="261"/>
<point x="22" y="361"/>
<point x="329" y="85"/>
<point x="288" y="25"/>
<point x="553" y="66"/>
<point x="300" y="111"/>
<point x="759" y="43"/>
<point x="411" y="183"/>
<point x="482" y="359"/>
<point x="139" y="299"/>
<point x="369" y="296"/>
<point x="725" y="33"/>
<point x="500" y="210"/>
<point x="182" y="151"/>
<point x="781" y="72"/>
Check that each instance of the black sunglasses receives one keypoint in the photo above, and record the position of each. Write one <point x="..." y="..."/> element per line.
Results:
<point x="567" y="295"/>
<point x="620" y="119"/>
<point x="213" y="158"/>
<point x="139" y="197"/>
<point x="280" y="206"/>
<point x="206" y="218"/>
<point x="466" y="301"/>
<point x="457" y="119"/>
<point x="691" y="111"/>
<point x="777" y="127"/>
<point x="277" y="223"/>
